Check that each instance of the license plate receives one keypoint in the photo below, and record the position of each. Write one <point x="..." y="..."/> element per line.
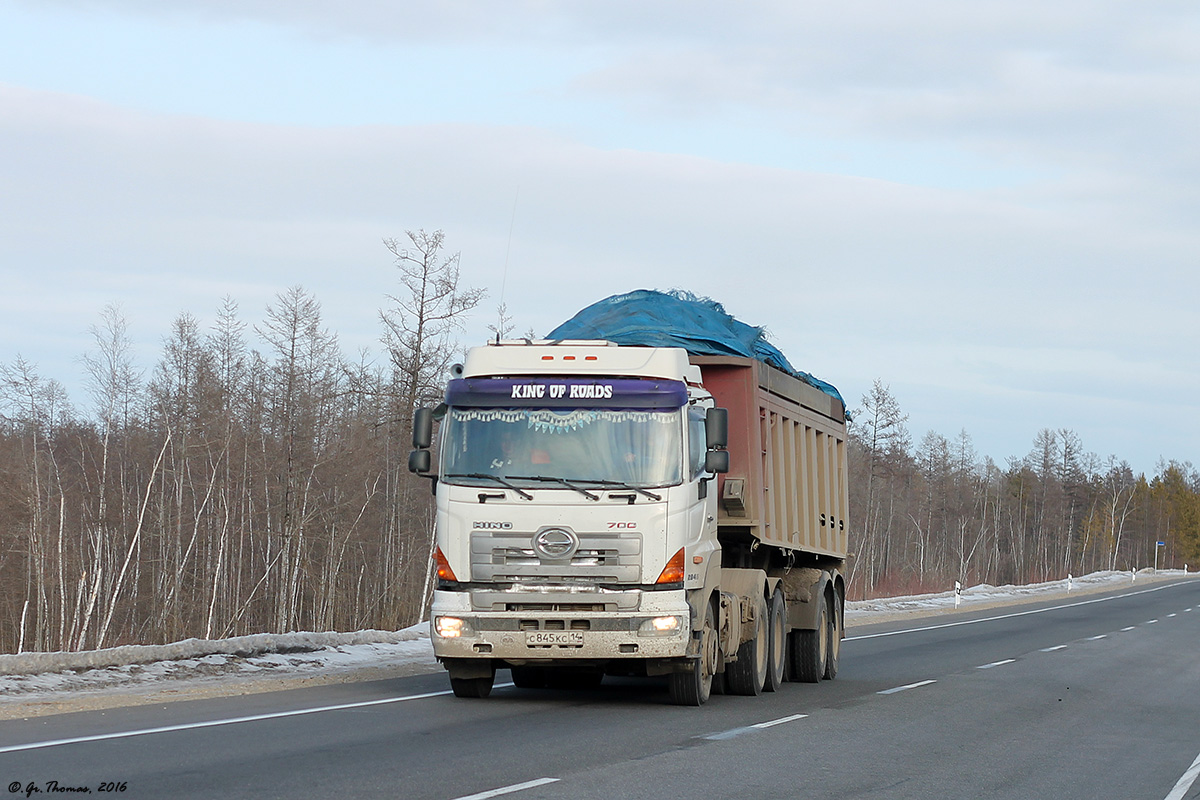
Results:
<point x="542" y="638"/>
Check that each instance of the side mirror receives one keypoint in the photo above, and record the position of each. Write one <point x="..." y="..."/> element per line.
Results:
<point x="419" y="461"/>
<point x="422" y="428"/>
<point x="716" y="427"/>
<point x="716" y="461"/>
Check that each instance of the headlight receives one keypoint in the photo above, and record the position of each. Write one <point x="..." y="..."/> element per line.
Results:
<point x="450" y="627"/>
<point x="661" y="626"/>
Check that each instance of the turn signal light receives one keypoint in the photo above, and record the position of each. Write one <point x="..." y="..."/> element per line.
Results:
<point x="673" y="571"/>
<point x="444" y="572"/>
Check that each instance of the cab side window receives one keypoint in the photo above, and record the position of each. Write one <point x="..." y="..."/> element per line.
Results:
<point x="697" y="444"/>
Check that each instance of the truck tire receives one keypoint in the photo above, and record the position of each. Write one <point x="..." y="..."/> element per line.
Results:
<point x="748" y="674"/>
<point x="835" y="636"/>
<point x="471" y="679"/>
<point x="810" y="650"/>
<point x="472" y="687"/>
<point x="692" y="686"/>
<point x="777" y="649"/>
<point x="529" y="677"/>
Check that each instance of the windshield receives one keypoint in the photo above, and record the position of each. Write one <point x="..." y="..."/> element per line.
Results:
<point x="526" y="446"/>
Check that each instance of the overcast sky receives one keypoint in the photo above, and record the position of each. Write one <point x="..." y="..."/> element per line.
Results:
<point x="990" y="206"/>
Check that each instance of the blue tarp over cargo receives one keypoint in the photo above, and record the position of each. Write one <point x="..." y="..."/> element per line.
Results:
<point x="678" y="319"/>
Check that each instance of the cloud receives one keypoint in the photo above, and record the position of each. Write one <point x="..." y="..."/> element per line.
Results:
<point x="1028" y="296"/>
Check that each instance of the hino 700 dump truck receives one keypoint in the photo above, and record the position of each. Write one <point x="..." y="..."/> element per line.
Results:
<point x="623" y="503"/>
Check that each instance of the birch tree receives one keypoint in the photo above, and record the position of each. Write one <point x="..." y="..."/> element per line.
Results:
<point x="419" y="330"/>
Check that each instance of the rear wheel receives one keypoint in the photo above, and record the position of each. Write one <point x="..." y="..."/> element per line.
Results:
<point x="810" y="649"/>
<point x="693" y="686"/>
<point x="835" y="636"/>
<point x="777" y="649"/>
<point x="748" y="674"/>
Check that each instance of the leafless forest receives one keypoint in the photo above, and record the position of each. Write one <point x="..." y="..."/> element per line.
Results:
<point x="928" y="514"/>
<point x="255" y="480"/>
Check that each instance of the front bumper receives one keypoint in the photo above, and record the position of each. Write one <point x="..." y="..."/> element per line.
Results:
<point x="532" y="636"/>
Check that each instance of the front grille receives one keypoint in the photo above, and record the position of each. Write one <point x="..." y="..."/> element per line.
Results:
<point x="601" y="558"/>
<point x="584" y="608"/>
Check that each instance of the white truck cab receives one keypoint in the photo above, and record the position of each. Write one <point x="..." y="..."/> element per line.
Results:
<point x="577" y="522"/>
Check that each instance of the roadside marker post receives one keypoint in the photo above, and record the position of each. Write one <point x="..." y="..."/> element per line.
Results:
<point x="1070" y="583"/>
<point x="957" y="593"/>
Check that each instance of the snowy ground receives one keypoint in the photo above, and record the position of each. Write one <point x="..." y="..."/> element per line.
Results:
<point x="33" y="684"/>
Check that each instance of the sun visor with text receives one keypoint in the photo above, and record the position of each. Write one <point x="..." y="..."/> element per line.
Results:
<point x="565" y="393"/>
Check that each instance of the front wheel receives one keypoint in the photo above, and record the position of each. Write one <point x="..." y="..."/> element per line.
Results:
<point x="692" y="686"/>
<point x="472" y="687"/>
<point x="469" y="679"/>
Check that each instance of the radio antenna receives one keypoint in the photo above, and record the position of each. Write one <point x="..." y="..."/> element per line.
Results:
<point x="501" y="309"/>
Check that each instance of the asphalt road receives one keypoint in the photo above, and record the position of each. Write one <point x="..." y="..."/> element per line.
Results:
<point x="1096" y="697"/>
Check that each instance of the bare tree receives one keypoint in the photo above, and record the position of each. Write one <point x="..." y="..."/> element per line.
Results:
<point x="115" y="385"/>
<point x="504" y="326"/>
<point x="879" y="434"/>
<point x="418" y="328"/>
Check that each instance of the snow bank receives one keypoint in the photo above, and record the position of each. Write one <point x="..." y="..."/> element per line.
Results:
<point x="985" y="594"/>
<point x="241" y="646"/>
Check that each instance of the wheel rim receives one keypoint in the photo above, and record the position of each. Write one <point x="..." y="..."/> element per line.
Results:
<point x="762" y="647"/>
<point x="823" y="641"/>
<point x="779" y="636"/>
<point x="835" y="634"/>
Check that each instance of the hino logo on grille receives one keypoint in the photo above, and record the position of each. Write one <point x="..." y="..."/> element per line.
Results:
<point x="492" y="526"/>
<point x="555" y="543"/>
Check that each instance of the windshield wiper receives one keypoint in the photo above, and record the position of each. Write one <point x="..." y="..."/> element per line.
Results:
<point x="555" y="479"/>
<point x="624" y="485"/>
<point x="496" y="478"/>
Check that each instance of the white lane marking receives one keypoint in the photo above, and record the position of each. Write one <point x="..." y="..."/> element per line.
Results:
<point x="905" y="688"/>
<point x="1006" y="616"/>
<point x="1097" y="638"/>
<point x="213" y="723"/>
<point x="996" y="663"/>
<point x="516" y="787"/>
<point x="1131" y="627"/>
<point x="1170" y="615"/>
<point x="1185" y="783"/>
<point x="1052" y="649"/>
<point x="1151" y="622"/>
<point x="779" y="721"/>
<point x="721" y="736"/>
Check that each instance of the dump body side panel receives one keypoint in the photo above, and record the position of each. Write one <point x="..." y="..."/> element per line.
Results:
<point x="787" y="480"/>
